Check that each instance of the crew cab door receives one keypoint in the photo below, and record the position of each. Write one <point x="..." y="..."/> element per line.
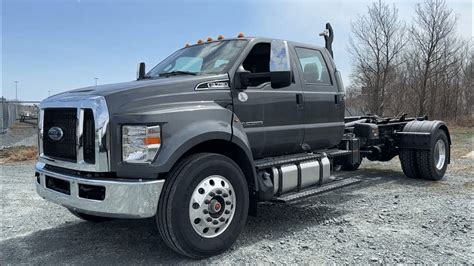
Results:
<point x="324" y="104"/>
<point x="272" y="117"/>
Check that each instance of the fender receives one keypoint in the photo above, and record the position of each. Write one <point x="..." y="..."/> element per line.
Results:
<point x="239" y="137"/>
<point x="182" y="129"/>
<point x="419" y="135"/>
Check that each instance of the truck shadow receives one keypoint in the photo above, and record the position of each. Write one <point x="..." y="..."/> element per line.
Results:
<point x="138" y="241"/>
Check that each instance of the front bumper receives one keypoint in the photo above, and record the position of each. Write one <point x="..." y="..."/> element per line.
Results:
<point x="121" y="199"/>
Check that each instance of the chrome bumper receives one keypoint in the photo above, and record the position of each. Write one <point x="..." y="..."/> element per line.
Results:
<point x="123" y="199"/>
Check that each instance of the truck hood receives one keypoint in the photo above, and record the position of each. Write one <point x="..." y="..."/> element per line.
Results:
<point x="137" y="95"/>
<point x="159" y="84"/>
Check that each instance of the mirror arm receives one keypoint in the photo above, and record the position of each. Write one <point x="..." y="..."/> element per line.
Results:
<point x="141" y="71"/>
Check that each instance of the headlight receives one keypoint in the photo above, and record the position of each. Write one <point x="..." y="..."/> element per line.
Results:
<point x="140" y="143"/>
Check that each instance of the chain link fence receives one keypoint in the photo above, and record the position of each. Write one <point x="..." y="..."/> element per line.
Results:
<point x="13" y="111"/>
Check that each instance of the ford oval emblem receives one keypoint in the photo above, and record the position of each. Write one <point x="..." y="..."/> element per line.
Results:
<point x="55" y="133"/>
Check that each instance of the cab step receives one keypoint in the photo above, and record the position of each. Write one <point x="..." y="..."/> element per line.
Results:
<point x="312" y="191"/>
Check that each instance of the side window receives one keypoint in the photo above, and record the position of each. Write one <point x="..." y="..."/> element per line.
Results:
<point x="313" y="65"/>
<point x="258" y="61"/>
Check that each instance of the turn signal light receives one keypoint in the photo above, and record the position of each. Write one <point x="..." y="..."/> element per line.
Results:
<point x="152" y="140"/>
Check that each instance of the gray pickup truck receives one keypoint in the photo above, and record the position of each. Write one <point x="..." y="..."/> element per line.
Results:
<point x="215" y="128"/>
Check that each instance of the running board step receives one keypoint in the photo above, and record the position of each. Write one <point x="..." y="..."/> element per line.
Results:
<point x="317" y="190"/>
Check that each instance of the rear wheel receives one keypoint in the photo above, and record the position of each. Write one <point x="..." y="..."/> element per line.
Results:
<point x="203" y="206"/>
<point x="90" y="218"/>
<point x="409" y="163"/>
<point x="432" y="163"/>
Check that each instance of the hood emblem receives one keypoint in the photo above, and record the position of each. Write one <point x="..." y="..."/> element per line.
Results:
<point x="55" y="133"/>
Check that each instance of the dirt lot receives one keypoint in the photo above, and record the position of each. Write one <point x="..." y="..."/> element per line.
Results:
<point x="385" y="219"/>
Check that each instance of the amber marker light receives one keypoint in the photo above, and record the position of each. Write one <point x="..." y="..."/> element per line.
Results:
<point x="199" y="41"/>
<point x="220" y="37"/>
<point x="209" y="39"/>
<point x="241" y="35"/>
<point x="152" y="140"/>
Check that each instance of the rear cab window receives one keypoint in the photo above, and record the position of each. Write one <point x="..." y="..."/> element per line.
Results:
<point x="313" y="67"/>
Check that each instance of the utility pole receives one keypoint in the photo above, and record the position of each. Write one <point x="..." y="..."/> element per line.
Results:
<point x="16" y="90"/>
<point x="96" y="81"/>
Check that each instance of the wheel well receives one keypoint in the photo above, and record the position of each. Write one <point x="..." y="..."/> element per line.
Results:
<point x="231" y="150"/>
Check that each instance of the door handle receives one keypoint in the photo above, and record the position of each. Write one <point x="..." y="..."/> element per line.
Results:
<point x="299" y="100"/>
<point x="338" y="99"/>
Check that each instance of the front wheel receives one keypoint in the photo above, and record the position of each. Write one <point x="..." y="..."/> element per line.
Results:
<point x="203" y="206"/>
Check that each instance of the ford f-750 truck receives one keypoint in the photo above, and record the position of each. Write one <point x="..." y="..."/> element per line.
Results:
<point x="215" y="128"/>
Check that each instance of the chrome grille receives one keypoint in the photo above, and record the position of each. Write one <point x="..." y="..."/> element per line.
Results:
<point x="83" y="120"/>
<point x="88" y="137"/>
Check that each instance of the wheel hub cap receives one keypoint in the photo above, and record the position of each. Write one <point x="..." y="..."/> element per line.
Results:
<point x="212" y="206"/>
<point x="440" y="154"/>
<point x="215" y="206"/>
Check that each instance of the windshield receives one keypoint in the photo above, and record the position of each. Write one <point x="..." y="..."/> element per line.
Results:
<point x="207" y="58"/>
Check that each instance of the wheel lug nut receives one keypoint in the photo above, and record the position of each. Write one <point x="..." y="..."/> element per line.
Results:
<point x="227" y="211"/>
<point x="215" y="222"/>
<point x="219" y="191"/>
<point x="212" y="194"/>
<point x="207" y="201"/>
<point x="205" y="211"/>
<point x="209" y="219"/>
<point x="222" y="219"/>
<point x="228" y="202"/>
<point x="225" y="195"/>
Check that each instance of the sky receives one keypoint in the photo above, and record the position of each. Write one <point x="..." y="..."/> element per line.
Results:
<point x="51" y="46"/>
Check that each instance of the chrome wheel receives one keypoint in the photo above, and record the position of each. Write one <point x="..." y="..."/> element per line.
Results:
<point x="440" y="154"/>
<point x="212" y="206"/>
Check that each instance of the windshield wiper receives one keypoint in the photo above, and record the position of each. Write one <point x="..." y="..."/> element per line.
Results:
<point x="175" y="73"/>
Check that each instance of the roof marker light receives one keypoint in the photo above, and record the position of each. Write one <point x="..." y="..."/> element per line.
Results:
<point x="241" y="35"/>
<point x="186" y="45"/>
<point x="209" y="39"/>
<point x="220" y="37"/>
<point x="199" y="41"/>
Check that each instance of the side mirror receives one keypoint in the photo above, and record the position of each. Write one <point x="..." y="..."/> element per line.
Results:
<point x="280" y="79"/>
<point x="280" y="66"/>
<point x="242" y="80"/>
<point x="141" y="71"/>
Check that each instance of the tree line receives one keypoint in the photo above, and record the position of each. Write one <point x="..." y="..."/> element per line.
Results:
<point x="419" y="68"/>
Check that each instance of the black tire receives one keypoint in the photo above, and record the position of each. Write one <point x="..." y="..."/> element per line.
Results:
<point x="173" y="218"/>
<point x="90" y="218"/>
<point x="409" y="163"/>
<point x="426" y="159"/>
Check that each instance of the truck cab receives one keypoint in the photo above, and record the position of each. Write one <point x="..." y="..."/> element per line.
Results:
<point x="215" y="128"/>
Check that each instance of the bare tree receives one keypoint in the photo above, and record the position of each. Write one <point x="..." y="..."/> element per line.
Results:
<point x="378" y="40"/>
<point x="433" y="25"/>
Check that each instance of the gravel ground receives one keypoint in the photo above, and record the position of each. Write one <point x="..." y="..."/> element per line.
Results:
<point x="387" y="218"/>
<point x="20" y="134"/>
